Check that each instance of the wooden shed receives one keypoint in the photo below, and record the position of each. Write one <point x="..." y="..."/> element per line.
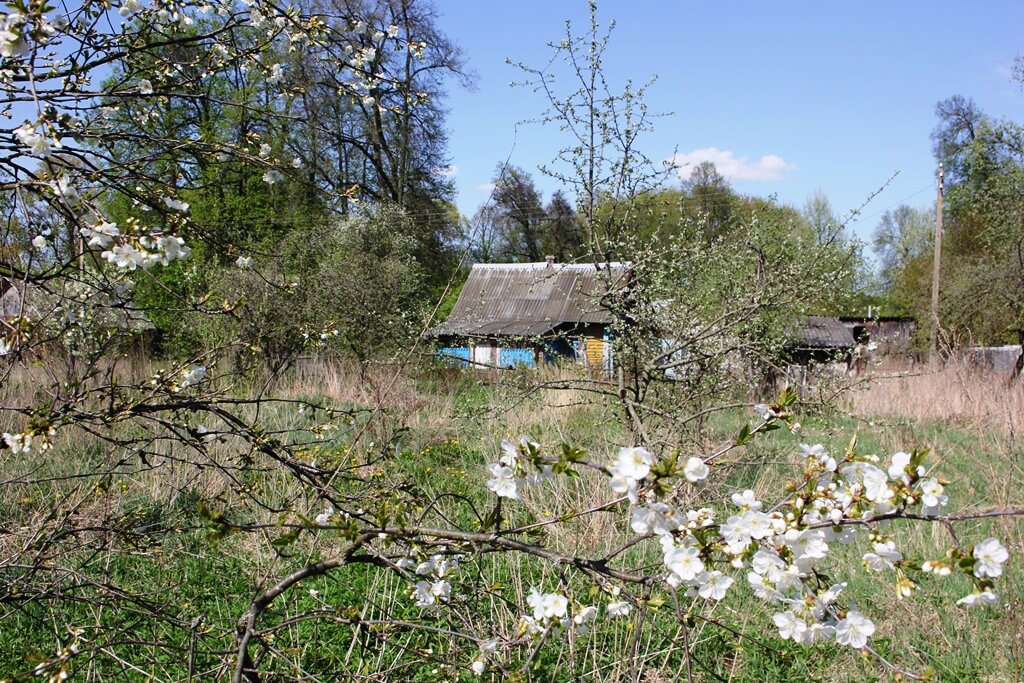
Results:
<point x="525" y="314"/>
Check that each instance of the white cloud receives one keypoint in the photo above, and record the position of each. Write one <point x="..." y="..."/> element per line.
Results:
<point x="447" y="171"/>
<point x="486" y="187"/>
<point x="769" y="167"/>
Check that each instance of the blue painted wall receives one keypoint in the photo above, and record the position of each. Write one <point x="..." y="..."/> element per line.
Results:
<point x="459" y="357"/>
<point x="510" y="358"/>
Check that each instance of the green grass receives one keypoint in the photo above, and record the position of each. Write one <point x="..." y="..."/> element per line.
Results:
<point x="190" y="593"/>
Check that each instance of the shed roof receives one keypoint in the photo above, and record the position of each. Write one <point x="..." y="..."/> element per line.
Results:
<point x="531" y="299"/>
<point x="823" y="332"/>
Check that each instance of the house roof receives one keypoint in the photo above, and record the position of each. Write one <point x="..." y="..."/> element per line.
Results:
<point x="823" y="332"/>
<point x="531" y="299"/>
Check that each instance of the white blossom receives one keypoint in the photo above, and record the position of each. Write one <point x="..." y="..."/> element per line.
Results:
<point x="39" y="144"/>
<point x="547" y="606"/>
<point x="658" y="518"/>
<point x="18" y="443"/>
<point x="582" y="619"/>
<point x="695" y="469"/>
<point x="129" y="7"/>
<point x="985" y="597"/>
<point x="790" y="627"/>
<point x="768" y="564"/>
<point x="713" y="585"/>
<point x="63" y="188"/>
<point x="175" y="204"/>
<point x="324" y="518"/>
<point x="633" y="462"/>
<point x="124" y="256"/>
<point x="509" y="454"/>
<point x="763" y="587"/>
<point x="172" y="248"/>
<point x="684" y="562"/>
<point x="883" y="558"/>
<point x="746" y="500"/>
<point x="932" y="497"/>
<point x="631" y="466"/>
<point x="618" y="608"/>
<point x="428" y="595"/>
<point x="898" y="468"/>
<point x="818" y="633"/>
<point x="854" y="630"/>
<point x="192" y="376"/>
<point x="502" y="481"/>
<point x="989" y="557"/>
<point x="818" y="452"/>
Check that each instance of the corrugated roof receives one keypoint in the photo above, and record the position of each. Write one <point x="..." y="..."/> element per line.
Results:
<point x="531" y="299"/>
<point x="823" y="332"/>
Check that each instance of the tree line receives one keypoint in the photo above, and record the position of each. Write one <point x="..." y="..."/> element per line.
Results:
<point x="982" y="268"/>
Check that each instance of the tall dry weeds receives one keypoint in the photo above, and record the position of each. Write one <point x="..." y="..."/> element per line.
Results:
<point x="956" y="394"/>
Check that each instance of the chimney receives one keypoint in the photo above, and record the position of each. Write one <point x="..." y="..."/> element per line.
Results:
<point x="550" y="260"/>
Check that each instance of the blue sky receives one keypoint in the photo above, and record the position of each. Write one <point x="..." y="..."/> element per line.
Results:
<point x="787" y="97"/>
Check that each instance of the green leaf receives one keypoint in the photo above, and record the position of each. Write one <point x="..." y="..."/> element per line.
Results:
<point x="744" y="436"/>
<point x="656" y="600"/>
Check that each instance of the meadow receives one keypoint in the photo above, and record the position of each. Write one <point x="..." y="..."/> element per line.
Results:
<point x="148" y="561"/>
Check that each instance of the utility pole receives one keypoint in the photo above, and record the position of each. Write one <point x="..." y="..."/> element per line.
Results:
<point x="933" y="357"/>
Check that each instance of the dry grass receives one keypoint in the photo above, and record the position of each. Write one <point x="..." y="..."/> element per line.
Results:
<point x="957" y="393"/>
<point x="477" y="410"/>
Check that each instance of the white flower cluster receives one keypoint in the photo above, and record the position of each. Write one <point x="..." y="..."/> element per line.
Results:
<point x="633" y="464"/>
<point x="784" y="547"/>
<point x="18" y="32"/>
<point x="551" y="611"/>
<point x="191" y="376"/>
<point x="435" y="589"/>
<point x="29" y="440"/>
<point x="488" y="649"/>
<point x="509" y="474"/>
<point x="18" y="443"/>
<point x="36" y="140"/>
<point x="101" y="234"/>
<point x="148" y="252"/>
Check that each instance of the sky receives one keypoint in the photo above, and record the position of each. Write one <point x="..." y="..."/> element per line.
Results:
<point x="787" y="98"/>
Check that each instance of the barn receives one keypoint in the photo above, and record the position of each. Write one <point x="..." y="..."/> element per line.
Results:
<point x="527" y="314"/>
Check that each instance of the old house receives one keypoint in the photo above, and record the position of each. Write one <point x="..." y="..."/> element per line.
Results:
<point x="525" y="314"/>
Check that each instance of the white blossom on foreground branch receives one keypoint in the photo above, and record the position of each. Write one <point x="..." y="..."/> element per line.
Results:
<point x="783" y="551"/>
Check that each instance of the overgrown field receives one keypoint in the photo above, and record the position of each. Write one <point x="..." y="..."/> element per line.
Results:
<point x="146" y="561"/>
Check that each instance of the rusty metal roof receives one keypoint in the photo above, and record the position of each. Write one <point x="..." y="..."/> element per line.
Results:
<point x="531" y="299"/>
<point x="823" y="332"/>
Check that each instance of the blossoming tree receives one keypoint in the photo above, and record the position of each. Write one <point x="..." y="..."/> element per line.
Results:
<point x="358" y="571"/>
